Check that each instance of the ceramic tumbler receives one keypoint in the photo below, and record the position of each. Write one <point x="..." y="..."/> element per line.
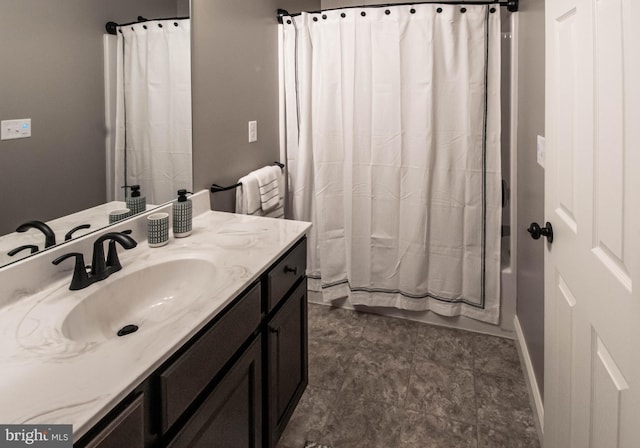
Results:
<point x="119" y="215"/>
<point x="158" y="229"/>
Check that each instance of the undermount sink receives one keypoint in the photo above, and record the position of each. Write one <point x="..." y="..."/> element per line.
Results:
<point x="142" y="298"/>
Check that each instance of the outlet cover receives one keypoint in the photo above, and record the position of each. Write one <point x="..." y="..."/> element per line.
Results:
<point x="12" y="129"/>
<point x="253" y="131"/>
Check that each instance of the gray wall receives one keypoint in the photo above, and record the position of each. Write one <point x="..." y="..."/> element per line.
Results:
<point x="52" y="72"/>
<point x="530" y="307"/>
<point x="235" y="80"/>
<point x="183" y="8"/>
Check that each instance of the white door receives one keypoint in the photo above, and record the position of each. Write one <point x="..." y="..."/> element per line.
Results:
<point x="592" y="198"/>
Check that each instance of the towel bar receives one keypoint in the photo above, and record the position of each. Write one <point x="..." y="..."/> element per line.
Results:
<point x="215" y="188"/>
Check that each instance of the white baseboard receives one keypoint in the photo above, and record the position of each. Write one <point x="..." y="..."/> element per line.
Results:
<point x="534" y="390"/>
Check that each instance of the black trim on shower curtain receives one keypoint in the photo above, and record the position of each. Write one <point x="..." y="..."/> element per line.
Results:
<point x="408" y="295"/>
<point x="484" y="159"/>
<point x="112" y="27"/>
<point x="124" y="115"/>
<point x="511" y="5"/>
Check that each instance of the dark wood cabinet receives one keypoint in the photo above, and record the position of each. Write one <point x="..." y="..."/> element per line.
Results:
<point x="285" y="273"/>
<point x="185" y="379"/>
<point x="233" y="385"/>
<point x="287" y="371"/>
<point x="231" y="416"/>
<point x="125" y="429"/>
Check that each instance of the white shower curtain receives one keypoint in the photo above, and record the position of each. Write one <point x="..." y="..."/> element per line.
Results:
<point x="153" y="118"/>
<point x="393" y="148"/>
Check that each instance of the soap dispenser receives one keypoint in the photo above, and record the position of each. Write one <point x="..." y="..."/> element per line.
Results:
<point x="135" y="202"/>
<point x="182" y="215"/>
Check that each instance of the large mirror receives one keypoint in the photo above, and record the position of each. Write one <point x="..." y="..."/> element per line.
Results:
<point x="59" y="71"/>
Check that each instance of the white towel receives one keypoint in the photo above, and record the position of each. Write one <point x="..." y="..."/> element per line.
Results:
<point x="269" y="187"/>
<point x="248" y="201"/>
<point x="248" y="195"/>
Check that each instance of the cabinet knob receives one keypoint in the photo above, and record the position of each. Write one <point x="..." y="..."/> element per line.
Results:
<point x="293" y="270"/>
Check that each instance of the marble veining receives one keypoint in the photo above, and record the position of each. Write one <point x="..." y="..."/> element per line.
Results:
<point x="51" y="375"/>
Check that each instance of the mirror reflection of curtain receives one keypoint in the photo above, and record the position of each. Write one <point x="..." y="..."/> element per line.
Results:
<point x="153" y="118"/>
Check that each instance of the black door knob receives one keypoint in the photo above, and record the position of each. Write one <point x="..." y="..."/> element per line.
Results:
<point x="536" y="231"/>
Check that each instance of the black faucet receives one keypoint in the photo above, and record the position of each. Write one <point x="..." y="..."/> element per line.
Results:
<point x="31" y="247"/>
<point x="80" y="278"/>
<point x="49" y="235"/>
<point x="99" y="269"/>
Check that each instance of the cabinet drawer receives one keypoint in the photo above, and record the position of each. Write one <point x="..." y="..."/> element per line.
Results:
<point x="286" y="273"/>
<point x="126" y="429"/>
<point x="183" y="381"/>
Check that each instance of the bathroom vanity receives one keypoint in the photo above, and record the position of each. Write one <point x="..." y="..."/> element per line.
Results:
<point x="234" y="384"/>
<point x="220" y="357"/>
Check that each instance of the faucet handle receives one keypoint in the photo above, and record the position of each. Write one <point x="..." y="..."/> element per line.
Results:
<point x="70" y="233"/>
<point x="80" y="278"/>
<point x="113" y="263"/>
<point x="33" y="248"/>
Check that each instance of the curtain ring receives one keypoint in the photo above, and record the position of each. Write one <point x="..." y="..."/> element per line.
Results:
<point x="412" y="11"/>
<point x="159" y="25"/>
<point x="315" y="19"/>
<point x="492" y="10"/>
<point x="363" y="13"/>
<point x="439" y="10"/>
<point x="387" y="12"/>
<point x="288" y="22"/>
<point x="324" y="17"/>
<point x="463" y="10"/>
<point x="343" y="15"/>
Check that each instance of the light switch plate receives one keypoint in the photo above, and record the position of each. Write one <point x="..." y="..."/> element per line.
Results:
<point x="12" y="129"/>
<point x="541" y="147"/>
<point x="253" y="131"/>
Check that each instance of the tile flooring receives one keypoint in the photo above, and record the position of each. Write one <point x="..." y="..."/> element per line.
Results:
<point x="379" y="382"/>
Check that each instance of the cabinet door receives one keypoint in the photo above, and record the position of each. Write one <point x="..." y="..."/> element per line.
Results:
<point x="190" y="374"/>
<point x="287" y="361"/>
<point x="231" y="416"/>
<point x="126" y="429"/>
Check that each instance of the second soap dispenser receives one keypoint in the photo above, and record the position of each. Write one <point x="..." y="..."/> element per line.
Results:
<point x="135" y="202"/>
<point x="182" y="215"/>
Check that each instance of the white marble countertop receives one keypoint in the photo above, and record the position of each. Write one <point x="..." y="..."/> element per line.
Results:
<point x="47" y="378"/>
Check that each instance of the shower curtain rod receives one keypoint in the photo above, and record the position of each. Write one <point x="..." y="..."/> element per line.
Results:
<point x="512" y="6"/>
<point x="112" y="27"/>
